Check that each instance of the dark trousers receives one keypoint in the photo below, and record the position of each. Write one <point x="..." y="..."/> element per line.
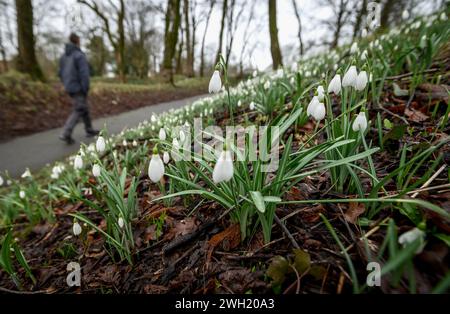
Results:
<point x="80" y="111"/>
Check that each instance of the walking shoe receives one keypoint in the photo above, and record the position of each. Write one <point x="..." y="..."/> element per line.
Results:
<point x="92" y="133"/>
<point x="68" y="139"/>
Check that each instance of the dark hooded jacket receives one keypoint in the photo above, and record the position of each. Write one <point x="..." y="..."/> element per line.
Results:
<point x="74" y="70"/>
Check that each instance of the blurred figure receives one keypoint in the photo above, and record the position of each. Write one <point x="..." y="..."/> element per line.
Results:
<point x="74" y="74"/>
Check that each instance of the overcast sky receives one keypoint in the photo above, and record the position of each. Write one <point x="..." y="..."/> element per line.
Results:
<point x="311" y="14"/>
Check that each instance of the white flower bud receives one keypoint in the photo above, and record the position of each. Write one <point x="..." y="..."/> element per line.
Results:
<point x="223" y="170"/>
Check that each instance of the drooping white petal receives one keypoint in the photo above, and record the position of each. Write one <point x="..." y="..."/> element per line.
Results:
<point x="78" y="162"/>
<point x="100" y="145"/>
<point x="120" y="222"/>
<point x="354" y="48"/>
<point x="312" y="106"/>
<point x="155" y="168"/>
<point x="96" y="170"/>
<point x="135" y="144"/>
<point x="166" y="157"/>
<point x="252" y="106"/>
<point x="364" y="33"/>
<point x="319" y="111"/>
<point x="411" y="236"/>
<point x="215" y="84"/>
<point x="76" y="229"/>
<point x="162" y="134"/>
<point x="335" y="85"/>
<point x="360" y="123"/>
<point x="361" y="81"/>
<point x="26" y="174"/>
<point x="1" y="181"/>
<point x="22" y="194"/>
<point x="223" y="170"/>
<point x="405" y="14"/>
<point x="350" y="77"/>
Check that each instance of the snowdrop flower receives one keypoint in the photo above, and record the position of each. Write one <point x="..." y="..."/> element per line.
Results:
<point x="350" y="77"/>
<point x="239" y="103"/>
<point x="360" y="123"/>
<point x="26" y="174"/>
<point x="76" y="228"/>
<point x="364" y="33"/>
<point x="320" y="93"/>
<point x="1" y="181"/>
<point x="156" y="167"/>
<point x="22" y="194"/>
<point x="96" y="170"/>
<point x="361" y="81"/>
<point x="255" y="73"/>
<point x="364" y="55"/>
<point x="335" y="85"/>
<point x="166" y="157"/>
<point x="318" y="112"/>
<point x="252" y="106"/>
<point x="153" y="118"/>
<point x="267" y="85"/>
<point x="411" y="236"/>
<point x="78" y="162"/>
<point x="120" y="222"/>
<point x="135" y="144"/>
<point x="223" y="170"/>
<point x="215" y="84"/>
<point x="312" y="105"/>
<point x="100" y="145"/>
<point x="405" y="14"/>
<point x="124" y="143"/>
<point x="162" y="134"/>
<point x="354" y="48"/>
<point x="443" y="16"/>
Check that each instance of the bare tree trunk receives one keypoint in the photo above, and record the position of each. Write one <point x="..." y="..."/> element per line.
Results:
<point x="222" y="27"/>
<point x="359" y="18"/>
<point x="245" y="39"/>
<point x="3" y="53"/>
<point x="27" y="61"/>
<point x="299" y="21"/>
<point x="339" y="24"/>
<point x="386" y="12"/>
<point x="172" y="25"/>
<point x="179" y="54"/>
<point x="274" y="45"/>
<point x="202" y="52"/>
<point x="189" y="58"/>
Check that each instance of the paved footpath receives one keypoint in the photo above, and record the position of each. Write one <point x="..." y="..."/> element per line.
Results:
<point x="37" y="150"/>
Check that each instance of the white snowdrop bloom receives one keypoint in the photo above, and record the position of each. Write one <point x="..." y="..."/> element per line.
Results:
<point x="335" y="85"/>
<point x="423" y="41"/>
<point x="22" y="194"/>
<point x="350" y="77"/>
<point x="364" y="33"/>
<point x="252" y="106"/>
<point x="215" y="84"/>
<point x="443" y="16"/>
<point x="120" y="222"/>
<point x="411" y="236"/>
<point x="1" y="181"/>
<point x="318" y="111"/>
<point x="405" y="14"/>
<point x="223" y="170"/>
<point x="124" y="143"/>
<point x="153" y="118"/>
<point x="255" y="73"/>
<point x="360" y="123"/>
<point x="361" y="81"/>
<point x="267" y="85"/>
<point x="135" y="144"/>
<point x="78" y="162"/>
<point x="364" y="55"/>
<point x="96" y="170"/>
<point x="26" y="174"/>
<point x="100" y="145"/>
<point x="312" y="105"/>
<point x="354" y="48"/>
<point x="8" y="182"/>
<point x="76" y="229"/>
<point x="370" y="77"/>
<point x="239" y="103"/>
<point x="166" y="157"/>
<point x="320" y="93"/>
<point x="155" y="168"/>
<point x="182" y="137"/>
<point x="162" y="134"/>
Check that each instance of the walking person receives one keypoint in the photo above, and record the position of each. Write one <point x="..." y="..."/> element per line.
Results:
<point x="74" y="74"/>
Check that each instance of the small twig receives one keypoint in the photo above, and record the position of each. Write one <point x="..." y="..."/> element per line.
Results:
<point x="286" y="231"/>
<point x="21" y="292"/>
<point x="431" y="179"/>
<point x="392" y="114"/>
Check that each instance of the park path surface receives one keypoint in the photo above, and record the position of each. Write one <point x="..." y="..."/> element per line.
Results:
<point x="37" y="150"/>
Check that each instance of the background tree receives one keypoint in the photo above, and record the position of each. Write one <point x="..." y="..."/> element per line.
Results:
<point x="26" y="59"/>
<point x="299" y="21"/>
<point x="116" y="39"/>
<point x="273" y="30"/>
<point x="202" y="49"/>
<point x="222" y="28"/>
<point x="172" y="25"/>
<point x="361" y="12"/>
